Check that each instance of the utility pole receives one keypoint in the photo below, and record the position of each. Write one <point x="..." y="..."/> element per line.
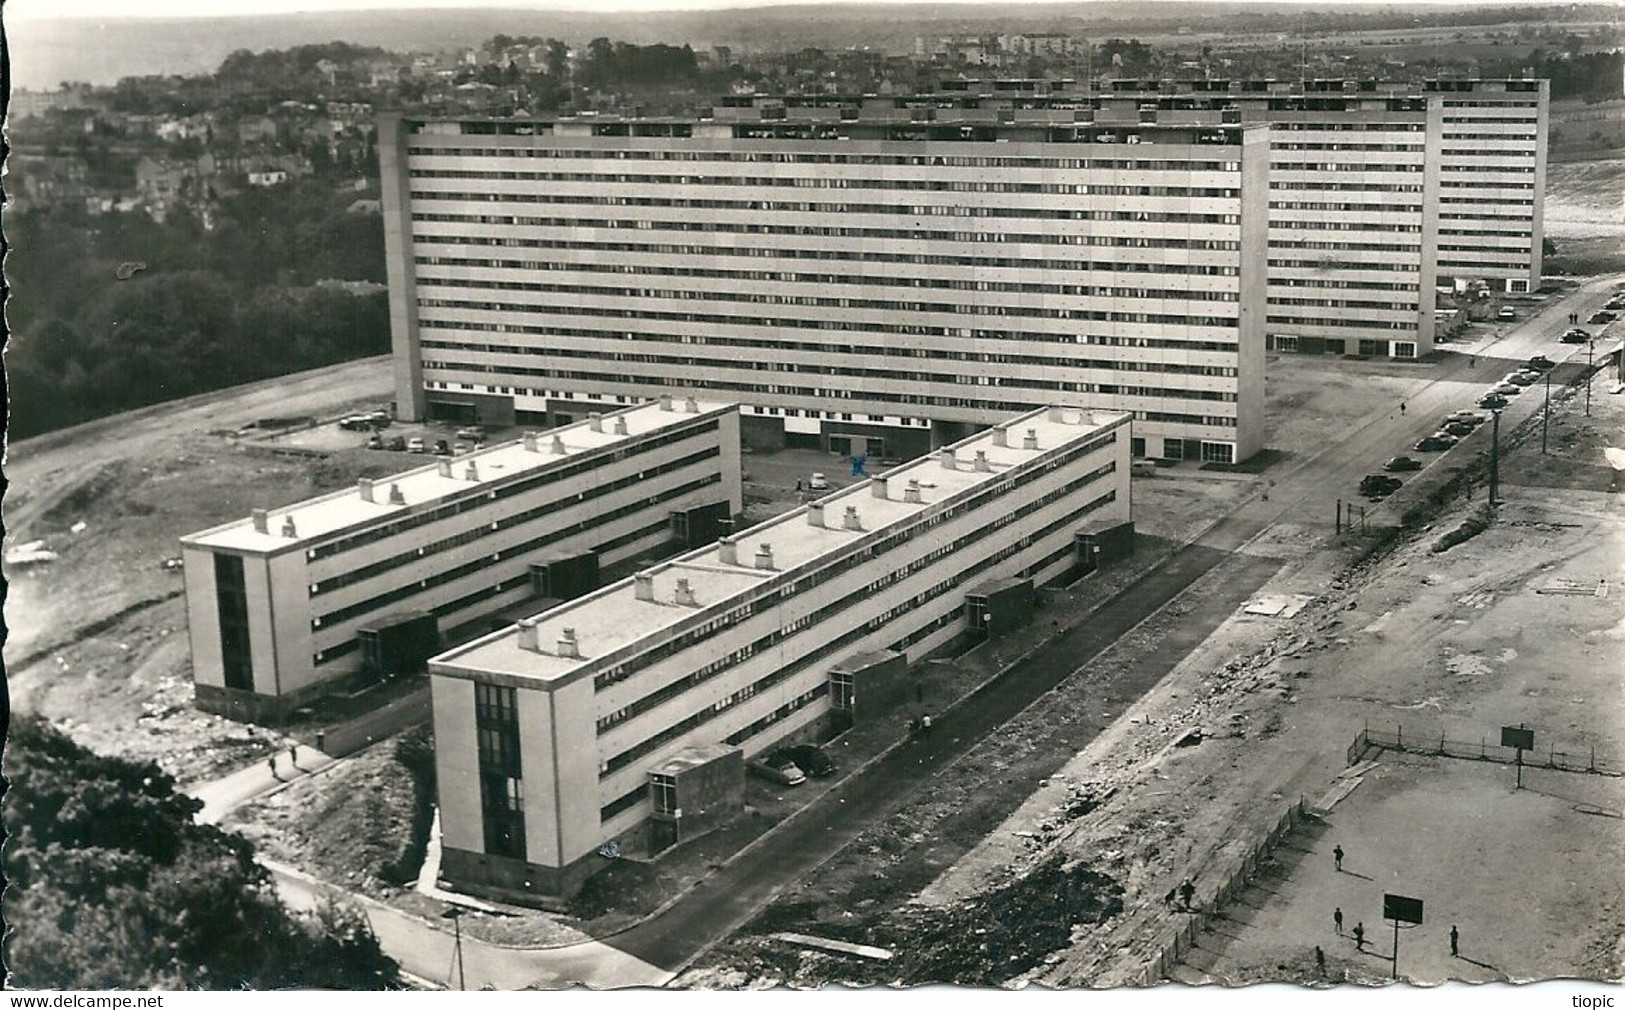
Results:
<point x="1546" y="418"/>
<point x="455" y="914"/>
<point x="1495" y="455"/>
<point x="1590" y="344"/>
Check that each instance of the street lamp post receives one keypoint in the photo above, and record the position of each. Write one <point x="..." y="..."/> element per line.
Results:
<point x="1590" y="344"/>
<point x="455" y="914"/>
<point x="1546" y="417"/>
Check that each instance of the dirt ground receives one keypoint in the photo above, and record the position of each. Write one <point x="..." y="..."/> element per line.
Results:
<point x="1585" y="215"/>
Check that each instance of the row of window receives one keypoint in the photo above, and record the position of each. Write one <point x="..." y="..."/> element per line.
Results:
<point x="1493" y="169"/>
<point x="1347" y="303"/>
<point x="1322" y="321"/>
<point x="829" y="182"/>
<point x="484" y="494"/>
<point x="854" y="158"/>
<point x="811" y="207"/>
<point x="821" y="231"/>
<point x="784" y="277"/>
<point x="1348" y="187"/>
<point x="771" y="252"/>
<point x="483" y="530"/>
<point x="1524" y="234"/>
<point x="1346" y="166"/>
<point x="1328" y="263"/>
<point x="1358" y="208"/>
<point x="1377" y="226"/>
<point x="1285" y="146"/>
<point x="890" y="350"/>
<point x="730" y="366"/>
<point x="678" y="729"/>
<point x="842" y="560"/>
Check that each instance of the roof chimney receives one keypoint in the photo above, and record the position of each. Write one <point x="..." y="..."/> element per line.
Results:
<point x="665" y="401"/>
<point x="444" y="466"/>
<point x="684" y="594"/>
<point x="569" y="648"/>
<point x="728" y="551"/>
<point x="261" y="520"/>
<point x="620" y="424"/>
<point x="395" y="495"/>
<point x="288" y="529"/>
<point x="1001" y="437"/>
<point x="643" y="586"/>
<point x="1030" y="440"/>
<point x="850" y="520"/>
<point x="764" y="557"/>
<point x="877" y="487"/>
<point x="981" y="463"/>
<point x="911" y="494"/>
<point x="530" y="442"/>
<point x="595" y="421"/>
<point x="946" y="458"/>
<point x="471" y="472"/>
<point x="815" y="515"/>
<point x="691" y="406"/>
<point x="527" y="634"/>
<point x="365" y="487"/>
<point x="557" y="448"/>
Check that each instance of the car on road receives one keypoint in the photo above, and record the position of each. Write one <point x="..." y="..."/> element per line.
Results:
<point x="473" y="433"/>
<point x="1460" y="429"/>
<point x="1575" y="335"/>
<point x="810" y="759"/>
<point x="1601" y="318"/>
<point x="1379" y="485"/>
<point x="1541" y="363"/>
<point x="1468" y="417"/>
<point x="818" y="483"/>
<point x="1506" y="389"/>
<point x="1521" y="378"/>
<point x="1506" y="314"/>
<point x="1439" y="441"/>
<point x="786" y="773"/>
<point x="1492" y="401"/>
<point x="1400" y="464"/>
<point x="416" y="444"/>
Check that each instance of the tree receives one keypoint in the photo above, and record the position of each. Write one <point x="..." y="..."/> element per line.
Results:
<point x="114" y="886"/>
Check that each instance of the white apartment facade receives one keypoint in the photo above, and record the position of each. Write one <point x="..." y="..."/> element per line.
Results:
<point x="547" y="733"/>
<point x="874" y="284"/>
<point x="274" y="602"/>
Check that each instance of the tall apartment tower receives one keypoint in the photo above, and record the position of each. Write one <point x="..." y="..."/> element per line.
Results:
<point x="873" y="281"/>
<point x="1492" y="180"/>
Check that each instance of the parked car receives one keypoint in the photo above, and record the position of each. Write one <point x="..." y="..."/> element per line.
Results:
<point x="442" y="447"/>
<point x="354" y="422"/>
<point x="1616" y="303"/>
<point x="397" y="444"/>
<point x="473" y="433"/>
<point x="1521" y="378"/>
<point x="1506" y="314"/>
<point x="1506" y="389"/>
<point x="818" y="483"/>
<point x="1143" y="468"/>
<point x="1492" y="401"/>
<point x="375" y="441"/>
<point x="1439" y="441"/>
<point x="810" y="759"/>
<point x="1379" y="486"/>
<point x="1472" y="417"/>
<point x="1541" y="363"/>
<point x="1601" y="318"/>
<point x="1400" y="464"/>
<point x="787" y="774"/>
<point x="1460" y="429"/>
<point x="416" y="444"/>
<point x="1575" y="335"/>
<point x="379" y="419"/>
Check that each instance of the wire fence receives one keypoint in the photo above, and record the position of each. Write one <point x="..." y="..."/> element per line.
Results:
<point x="1234" y="882"/>
<point x="1584" y="760"/>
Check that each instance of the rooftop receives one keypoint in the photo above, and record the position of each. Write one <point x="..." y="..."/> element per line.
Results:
<point x="551" y="646"/>
<point x="375" y="501"/>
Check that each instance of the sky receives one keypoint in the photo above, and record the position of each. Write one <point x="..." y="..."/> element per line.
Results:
<point x="41" y="9"/>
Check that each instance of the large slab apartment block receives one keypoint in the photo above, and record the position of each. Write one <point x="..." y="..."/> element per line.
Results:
<point x="281" y="605"/>
<point x="872" y="285"/>
<point x="557" y="736"/>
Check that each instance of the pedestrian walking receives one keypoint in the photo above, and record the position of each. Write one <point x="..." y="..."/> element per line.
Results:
<point x="798" y="486"/>
<point x="1337" y="919"/>
<point x="1337" y="857"/>
<point x="1472" y="361"/>
<point x="1187" y="890"/>
<point x="1359" y="935"/>
<point x="1172" y="896"/>
<point x="1320" y="961"/>
<point x="1455" y="942"/>
<point x="293" y="755"/>
<point x="270" y="763"/>
<point x="925" y="724"/>
<point x="1402" y="407"/>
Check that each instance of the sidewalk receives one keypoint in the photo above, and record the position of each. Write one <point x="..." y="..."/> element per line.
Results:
<point x="223" y="795"/>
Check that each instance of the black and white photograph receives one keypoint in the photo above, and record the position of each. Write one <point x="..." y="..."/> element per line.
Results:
<point x="734" y="495"/>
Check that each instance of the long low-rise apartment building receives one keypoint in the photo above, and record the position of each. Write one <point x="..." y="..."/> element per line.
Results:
<point x="279" y="605"/>
<point x="867" y="285"/>
<point x="561" y="734"/>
